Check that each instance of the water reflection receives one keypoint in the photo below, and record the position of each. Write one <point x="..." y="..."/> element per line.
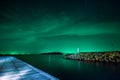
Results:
<point x="73" y="70"/>
<point x="49" y="59"/>
<point x="110" y="66"/>
<point x="78" y="65"/>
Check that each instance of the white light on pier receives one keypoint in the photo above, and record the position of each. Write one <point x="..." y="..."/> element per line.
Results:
<point x="78" y="50"/>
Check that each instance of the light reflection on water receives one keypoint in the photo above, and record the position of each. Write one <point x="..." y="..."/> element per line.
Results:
<point x="73" y="70"/>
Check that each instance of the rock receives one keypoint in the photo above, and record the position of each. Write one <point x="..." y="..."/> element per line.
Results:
<point x="109" y="57"/>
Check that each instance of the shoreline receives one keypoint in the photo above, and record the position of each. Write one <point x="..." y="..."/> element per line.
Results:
<point x="104" y="57"/>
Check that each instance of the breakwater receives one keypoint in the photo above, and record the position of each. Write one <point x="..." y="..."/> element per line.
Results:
<point x="106" y="57"/>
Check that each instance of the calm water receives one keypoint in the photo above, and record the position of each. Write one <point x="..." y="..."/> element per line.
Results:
<point x="72" y="70"/>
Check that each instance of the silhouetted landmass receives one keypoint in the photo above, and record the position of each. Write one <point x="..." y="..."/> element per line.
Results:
<point x="52" y="53"/>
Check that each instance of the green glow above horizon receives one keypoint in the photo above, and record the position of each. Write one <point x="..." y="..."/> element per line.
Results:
<point x="34" y="28"/>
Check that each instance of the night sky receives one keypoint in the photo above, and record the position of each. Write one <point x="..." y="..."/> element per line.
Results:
<point x="37" y="26"/>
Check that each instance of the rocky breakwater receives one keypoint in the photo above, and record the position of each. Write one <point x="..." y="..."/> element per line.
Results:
<point x="106" y="57"/>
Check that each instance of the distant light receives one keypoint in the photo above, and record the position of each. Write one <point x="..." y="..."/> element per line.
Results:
<point x="13" y="52"/>
<point x="78" y="50"/>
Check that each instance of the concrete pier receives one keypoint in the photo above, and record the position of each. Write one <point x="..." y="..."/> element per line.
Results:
<point x="12" y="68"/>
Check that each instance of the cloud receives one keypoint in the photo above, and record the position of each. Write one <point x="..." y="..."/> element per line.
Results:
<point x="26" y="25"/>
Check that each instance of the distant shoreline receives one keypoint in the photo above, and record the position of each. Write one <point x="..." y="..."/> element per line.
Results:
<point x="52" y="53"/>
<point x="49" y="53"/>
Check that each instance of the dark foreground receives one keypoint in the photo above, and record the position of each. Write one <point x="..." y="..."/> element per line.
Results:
<point x="65" y="69"/>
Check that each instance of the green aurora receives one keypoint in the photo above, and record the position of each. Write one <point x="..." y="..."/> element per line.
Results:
<point x="37" y="26"/>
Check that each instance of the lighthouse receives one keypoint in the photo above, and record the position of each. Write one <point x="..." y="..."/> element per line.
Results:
<point x="78" y="50"/>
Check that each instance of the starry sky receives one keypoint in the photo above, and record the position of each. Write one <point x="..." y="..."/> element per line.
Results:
<point x="38" y="26"/>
